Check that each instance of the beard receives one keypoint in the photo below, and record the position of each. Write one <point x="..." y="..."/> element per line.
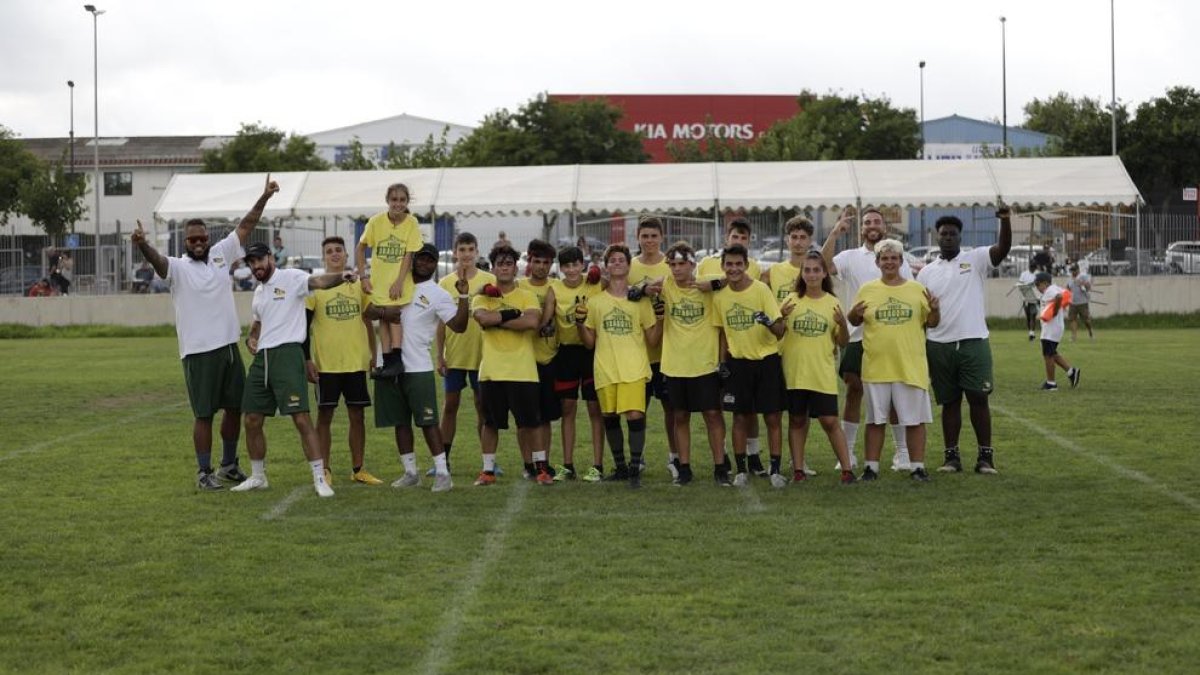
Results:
<point x="202" y="257"/>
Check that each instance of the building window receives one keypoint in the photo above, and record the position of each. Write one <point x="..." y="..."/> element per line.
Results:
<point x="118" y="183"/>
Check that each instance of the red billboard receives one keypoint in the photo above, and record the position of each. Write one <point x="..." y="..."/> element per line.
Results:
<point x="663" y="118"/>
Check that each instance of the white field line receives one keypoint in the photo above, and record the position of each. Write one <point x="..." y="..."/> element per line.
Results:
<point x="91" y="431"/>
<point x="460" y="604"/>
<point x="1101" y="459"/>
<point x="285" y="503"/>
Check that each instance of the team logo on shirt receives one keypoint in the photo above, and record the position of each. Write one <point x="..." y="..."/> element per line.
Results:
<point x="739" y="317"/>
<point x="390" y="250"/>
<point x="343" y="308"/>
<point x="218" y="261"/>
<point x="687" y="313"/>
<point x="422" y="300"/>
<point x="893" y="312"/>
<point x="617" y="322"/>
<point x="810" y="324"/>
<point x="279" y="294"/>
<point x="783" y="292"/>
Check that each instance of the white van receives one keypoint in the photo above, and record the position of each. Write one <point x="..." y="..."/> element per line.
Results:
<point x="1183" y="257"/>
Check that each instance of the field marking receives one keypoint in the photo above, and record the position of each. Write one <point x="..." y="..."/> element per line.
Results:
<point x="447" y="635"/>
<point x="286" y="503"/>
<point x="37" y="447"/>
<point x="1101" y="460"/>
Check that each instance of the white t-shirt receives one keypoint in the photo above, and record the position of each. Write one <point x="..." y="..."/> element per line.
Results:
<point x="1026" y="280"/>
<point x="430" y="304"/>
<point x="855" y="267"/>
<point x="958" y="285"/>
<point x="1053" y="329"/>
<point x="279" y="304"/>
<point x="205" y="316"/>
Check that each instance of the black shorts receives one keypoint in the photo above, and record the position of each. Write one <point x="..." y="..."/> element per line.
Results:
<point x="754" y="386"/>
<point x="695" y="394"/>
<point x="812" y="403"/>
<point x="351" y="386"/>
<point x="574" y="372"/>
<point x="656" y="386"/>
<point x="1049" y="348"/>
<point x="1031" y="309"/>
<point x="852" y="357"/>
<point x="549" y="404"/>
<point x="500" y="398"/>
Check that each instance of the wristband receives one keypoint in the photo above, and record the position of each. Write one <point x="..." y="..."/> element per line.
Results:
<point x="507" y="315"/>
<point x="463" y="296"/>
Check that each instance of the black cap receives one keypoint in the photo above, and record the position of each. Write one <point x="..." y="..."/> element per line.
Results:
<point x="428" y="249"/>
<point x="1043" y="278"/>
<point x="256" y="250"/>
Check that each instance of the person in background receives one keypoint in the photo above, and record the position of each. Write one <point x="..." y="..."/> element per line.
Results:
<point x="1080" y="287"/>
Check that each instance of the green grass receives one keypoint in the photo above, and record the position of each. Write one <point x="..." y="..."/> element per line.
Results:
<point x="1083" y="555"/>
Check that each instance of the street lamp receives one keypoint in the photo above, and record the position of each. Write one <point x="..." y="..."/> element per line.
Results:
<point x="96" y="119"/>
<point x="1112" y="20"/>
<point x="71" y="86"/>
<point x="922" y="66"/>
<point x="1004" y="83"/>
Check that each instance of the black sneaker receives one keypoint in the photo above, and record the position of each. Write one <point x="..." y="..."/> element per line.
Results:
<point x="206" y="480"/>
<point x="389" y="371"/>
<point x="620" y="473"/>
<point x="723" y="480"/>
<point x="984" y="462"/>
<point x="755" y="466"/>
<point x="1074" y="377"/>
<point x="684" y="478"/>
<point x="231" y="472"/>
<point x="919" y="475"/>
<point x="869" y="475"/>
<point x="952" y="463"/>
<point x="635" y="479"/>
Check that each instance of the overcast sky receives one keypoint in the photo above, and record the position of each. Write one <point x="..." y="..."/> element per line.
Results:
<point x="204" y="67"/>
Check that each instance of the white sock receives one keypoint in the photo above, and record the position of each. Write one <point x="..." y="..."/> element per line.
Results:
<point x="539" y="456"/>
<point x="900" y="436"/>
<point x="1051" y="382"/>
<point x="672" y="457"/>
<point x="439" y="465"/>
<point x="917" y="465"/>
<point x="318" y="470"/>
<point x="489" y="462"/>
<point x="874" y="466"/>
<point x="258" y="467"/>
<point x="851" y="431"/>
<point x="751" y="446"/>
<point x="410" y="463"/>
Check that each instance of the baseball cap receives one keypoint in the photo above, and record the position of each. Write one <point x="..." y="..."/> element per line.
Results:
<point x="256" y="250"/>
<point x="428" y="249"/>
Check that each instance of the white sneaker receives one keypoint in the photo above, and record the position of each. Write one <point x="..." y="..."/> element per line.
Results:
<point x="778" y="480"/>
<point x="740" y="480"/>
<point x="900" y="462"/>
<point x="838" y="466"/>
<point x="251" y="483"/>
<point x="672" y="470"/>
<point x="323" y="489"/>
<point x="807" y="471"/>
<point x="442" y="483"/>
<point x="407" y="480"/>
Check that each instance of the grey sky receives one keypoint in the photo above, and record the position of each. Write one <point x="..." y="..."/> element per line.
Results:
<point x="203" y="67"/>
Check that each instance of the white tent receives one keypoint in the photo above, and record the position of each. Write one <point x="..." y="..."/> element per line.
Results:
<point x="533" y="190"/>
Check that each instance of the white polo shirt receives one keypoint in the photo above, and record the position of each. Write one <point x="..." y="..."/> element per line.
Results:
<point x="958" y="285"/>
<point x="855" y="267"/>
<point x="205" y="316"/>
<point x="430" y="304"/>
<point x="279" y="305"/>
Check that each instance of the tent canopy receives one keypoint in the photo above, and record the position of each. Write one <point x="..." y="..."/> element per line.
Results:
<point x="534" y="190"/>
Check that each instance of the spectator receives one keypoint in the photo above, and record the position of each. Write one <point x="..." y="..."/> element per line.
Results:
<point x="62" y="271"/>
<point x="142" y="278"/>
<point x="280" y="252"/>
<point x="502" y="241"/>
<point x="42" y="289"/>
<point x="1044" y="260"/>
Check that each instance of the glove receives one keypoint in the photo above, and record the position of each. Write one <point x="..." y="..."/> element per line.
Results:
<point x="507" y="315"/>
<point x="636" y="293"/>
<point x="723" y="371"/>
<point x="593" y="275"/>
<point x="761" y="317"/>
<point x="717" y="284"/>
<point x="491" y="291"/>
<point x="660" y="307"/>
<point x="547" y="330"/>
<point x="581" y="311"/>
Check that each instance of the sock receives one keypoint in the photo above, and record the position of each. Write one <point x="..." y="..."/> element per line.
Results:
<point x="741" y="462"/>
<point x="752" y="446"/>
<point x="673" y="457"/>
<point x="873" y="466"/>
<point x="539" y="456"/>
<point x="569" y="467"/>
<point x="530" y="468"/>
<point x="446" y="450"/>
<point x="204" y="460"/>
<point x="726" y="467"/>
<point x="900" y="436"/>
<point x="918" y="465"/>
<point x="439" y="465"/>
<point x="410" y="463"/>
<point x="851" y="431"/>
<point x="598" y="467"/>
<point x="637" y="439"/>
<point x="616" y="439"/>
<point x="258" y="467"/>
<point x="775" y="461"/>
<point x="228" y="452"/>
<point x="489" y="463"/>
<point x="318" y="470"/>
<point x="358" y="468"/>
<point x="1051" y="382"/>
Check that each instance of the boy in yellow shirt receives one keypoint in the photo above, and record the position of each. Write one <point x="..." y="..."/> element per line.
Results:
<point x="392" y="236"/>
<point x="648" y="269"/>
<point x="574" y="374"/>
<point x="545" y="345"/>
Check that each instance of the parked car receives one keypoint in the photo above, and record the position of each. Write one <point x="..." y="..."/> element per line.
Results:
<point x="1018" y="258"/>
<point x="1098" y="263"/>
<point x="18" y="280"/>
<point x="1183" y="257"/>
<point x="308" y="263"/>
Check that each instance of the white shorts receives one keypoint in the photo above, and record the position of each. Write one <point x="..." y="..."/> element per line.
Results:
<point x="911" y="403"/>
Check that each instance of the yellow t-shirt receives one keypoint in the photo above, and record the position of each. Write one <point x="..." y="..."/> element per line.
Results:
<point x="507" y="354"/>
<point x="464" y="350"/>
<point x="620" y="327"/>
<point x="690" y="340"/>
<point x="544" y="348"/>
<point x="894" y="333"/>
<point x="389" y="245"/>
<point x="734" y="312"/>
<point x="339" y="336"/>
<point x="783" y="277"/>
<point x="565" y="300"/>
<point x="809" y="352"/>
<point x="711" y="266"/>
<point x="640" y="271"/>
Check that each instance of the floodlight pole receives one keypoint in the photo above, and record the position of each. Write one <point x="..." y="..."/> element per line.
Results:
<point x="1004" y="83"/>
<point x="1112" y="20"/>
<point x="96" y="130"/>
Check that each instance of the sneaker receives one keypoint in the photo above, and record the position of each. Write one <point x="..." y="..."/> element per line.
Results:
<point x="869" y="475"/>
<point x="641" y="467"/>
<point x="853" y="464"/>
<point x="328" y="477"/>
<point x="442" y="483"/>
<point x="684" y="478"/>
<point x="799" y="476"/>
<point x="231" y="472"/>
<point x="207" y="480"/>
<point x="807" y="471"/>
<point x="900" y="461"/>
<point x="498" y="471"/>
<point x="563" y="473"/>
<point x="1073" y="376"/>
<point x="485" y="478"/>
<point x="673" y="468"/>
<point x="755" y="465"/>
<point x="984" y="463"/>
<point x="1031" y="338"/>
<point x="778" y="480"/>
<point x="952" y="462"/>
<point x="741" y="480"/>
<point x="635" y="479"/>
<point x="848" y="478"/>
<point x="919" y="475"/>
<point x="619" y="473"/>
<point x="389" y="372"/>
<point x="407" y="480"/>
<point x="722" y="480"/>
<point x="361" y="476"/>
<point x="323" y="489"/>
<point x="593" y="475"/>
<point x="544" y="478"/>
<point x="1046" y="386"/>
<point x="251" y="483"/>
<point x="431" y="472"/>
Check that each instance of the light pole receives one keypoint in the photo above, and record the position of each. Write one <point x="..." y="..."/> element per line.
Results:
<point x="96" y="119"/>
<point x="1004" y="83"/>
<point x="71" y="86"/>
<point x="1112" y="20"/>
<point x="922" y="67"/>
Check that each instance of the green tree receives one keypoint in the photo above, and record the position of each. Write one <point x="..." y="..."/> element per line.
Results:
<point x="258" y="148"/>
<point x="17" y="167"/>
<point x="53" y="199"/>
<point x="428" y="155"/>
<point x="355" y="158"/>
<point x="1162" y="153"/>
<point x="1081" y="127"/>
<point x="544" y="132"/>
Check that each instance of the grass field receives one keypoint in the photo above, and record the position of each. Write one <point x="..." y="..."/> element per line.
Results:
<point x="1083" y="555"/>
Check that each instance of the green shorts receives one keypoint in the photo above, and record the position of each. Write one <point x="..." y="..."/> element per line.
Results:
<point x="412" y="401"/>
<point x="955" y="367"/>
<point x="277" y="381"/>
<point x="214" y="380"/>
<point x="851" y="359"/>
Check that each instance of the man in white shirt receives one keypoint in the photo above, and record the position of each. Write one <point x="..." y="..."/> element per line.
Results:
<point x="413" y="398"/>
<point x="1029" y="303"/>
<point x="855" y="267"/>
<point x="207" y="324"/>
<point x="278" y="377"/>
<point x="1052" y="332"/>
<point x="960" y="357"/>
